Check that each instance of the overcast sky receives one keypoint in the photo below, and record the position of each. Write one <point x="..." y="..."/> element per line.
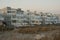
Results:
<point x="52" y="6"/>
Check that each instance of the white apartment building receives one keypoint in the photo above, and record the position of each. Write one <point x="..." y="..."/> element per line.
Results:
<point x="34" y="18"/>
<point x="9" y="14"/>
<point x="50" y="18"/>
<point x="18" y="17"/>
<point x="58" y="17"/>
<point x="21" y="17"/>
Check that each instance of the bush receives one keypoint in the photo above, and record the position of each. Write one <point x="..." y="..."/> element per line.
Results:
<point x="4" y="28"/>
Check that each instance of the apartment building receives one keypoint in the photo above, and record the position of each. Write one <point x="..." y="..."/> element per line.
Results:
<point x="21" y="17"/>
<point x="34" y="18"/>
<point x="50" y="18"/>
<point x="18" y="17"/>
<point x="8" y="13"/>
<point x="58" y="17"/>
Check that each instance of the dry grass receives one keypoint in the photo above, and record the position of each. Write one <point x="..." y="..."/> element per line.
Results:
<point x="53" y="34"/>
<point x="37" y="29"/>
<point x="3" y="28"/>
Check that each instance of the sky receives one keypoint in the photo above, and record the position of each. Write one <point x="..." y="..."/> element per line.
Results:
<point x="52" y="6"/>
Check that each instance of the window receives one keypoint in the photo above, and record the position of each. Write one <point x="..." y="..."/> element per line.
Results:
<point x="14" y="16"/>
<point x="25" y="21"/>
<point x="10" y="11"/>
<point x="14" y="21"/>
<point x="33" y="21"/>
